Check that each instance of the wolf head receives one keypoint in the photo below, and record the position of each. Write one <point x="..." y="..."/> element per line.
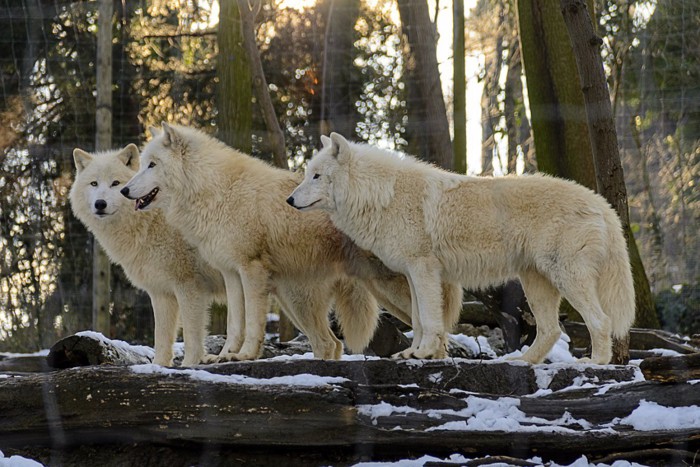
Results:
<point x="324" y="170"/>
<point x="148" y="185"/>
<point x="98" y="179"/>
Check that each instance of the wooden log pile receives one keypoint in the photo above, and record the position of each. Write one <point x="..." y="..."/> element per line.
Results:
<point x="302" y="411"/>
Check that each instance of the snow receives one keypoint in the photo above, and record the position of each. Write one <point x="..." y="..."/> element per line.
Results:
<point x="652" y="416"/>
<point x="17" y="461"/>
<point x="304" y="379"/>
<point x="481" y="414"/>
<point x="665" y="352"/>
<point x="559" y="353"/>
<point x="40" y="353"/>
<point x="141" y="350"/>
<point x="310" y="356"/>
<point x="477" y="345"/>
<point x="459" y="459"/>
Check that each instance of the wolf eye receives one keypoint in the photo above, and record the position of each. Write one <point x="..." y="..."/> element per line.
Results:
<point x="317" y="176"/>
<point x="93" y="183"/>
<point x="115" y="183"/>
<point x="151" y="165"/>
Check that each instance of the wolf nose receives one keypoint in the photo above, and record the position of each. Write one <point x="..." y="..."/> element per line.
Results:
<point x="290" y="201"/>
<point x="100" y="205"/>
<point x="125" y="191"/>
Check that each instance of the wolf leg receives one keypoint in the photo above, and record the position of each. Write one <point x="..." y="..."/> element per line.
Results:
<point x="394" y="295"/>
<point x="583" y="297"/>
<point x="255" y="285"/>
<point x="194" y="314"/>
<point x="415" y="324"/>
<point x="424" y="277"/>
<point x="544" y="299"/>
<point x="308" y="306"/>
<point x="235" y="318"/>
<point x="165" y="314"/>
<point x="452" y="294"/>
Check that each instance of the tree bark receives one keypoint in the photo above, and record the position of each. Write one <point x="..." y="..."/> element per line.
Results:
<point x="234" y="93"/>
<point x="101" y="269"/>
<point x="338" y="111"/>
<point x="559" y="125"/>
<point x="433" y="128"/>
<point x="262" y="93"/>
<point x="490" y="113"/>
<point x="460" y="89"/>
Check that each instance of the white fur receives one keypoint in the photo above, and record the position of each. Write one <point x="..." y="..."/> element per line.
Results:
<point x="154" y="255"/>
<point x="557" y="237"/>
<point x="232" y="207"/>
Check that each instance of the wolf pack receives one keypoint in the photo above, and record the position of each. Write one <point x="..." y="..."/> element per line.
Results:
<point x="365" y="230"/>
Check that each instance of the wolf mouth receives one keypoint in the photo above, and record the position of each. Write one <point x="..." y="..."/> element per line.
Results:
<point x="144" y="201"/>
<point x="301" y="208"/>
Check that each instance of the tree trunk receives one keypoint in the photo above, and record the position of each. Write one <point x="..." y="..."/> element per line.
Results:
<point x="559" y="126"/>
<point x="433" y="128"/>
<point x="489" y="100"/>
<point x="234" y="93"/>
<point x="460" y="89"/>
<point x="247" y="14"/>
<point x="510" y="103"/>
<point x="606" y="157"/>
<point x="338" y="111"/>
<point x="101" y="272"/>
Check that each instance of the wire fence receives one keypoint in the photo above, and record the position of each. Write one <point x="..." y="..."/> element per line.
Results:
<point x="165" y="56"/>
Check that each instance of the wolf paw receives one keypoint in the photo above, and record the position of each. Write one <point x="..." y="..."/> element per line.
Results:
<point x="235" y="357"/>
<point x="422" y="354"/>
<point x="592" y="361"/>
<point x="210" y="358"/>
<point x="404" y="354"/>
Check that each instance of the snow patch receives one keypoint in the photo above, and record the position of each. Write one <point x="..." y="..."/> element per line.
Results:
<point x="665" y="352"/>
<point x="141" y="350"/>
<point x="460" y="459"/>
<point x="39" y="353"/>
<point x="502" y="414"/>
<point x="559" y="354"/>
<point x="17" y="461"/>
<point x="476" y="345"/>
<point x="651" y="416"/>
<point x="304" y="379"/>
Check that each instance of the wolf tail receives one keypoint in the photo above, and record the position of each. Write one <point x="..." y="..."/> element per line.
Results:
<point x="357" y="313"/>
<point x="615" y="284"/>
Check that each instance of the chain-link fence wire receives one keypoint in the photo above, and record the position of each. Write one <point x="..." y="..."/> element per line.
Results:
<point x="165" y="69"/>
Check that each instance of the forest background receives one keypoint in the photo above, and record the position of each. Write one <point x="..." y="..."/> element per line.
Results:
<point x="330" y="65"/>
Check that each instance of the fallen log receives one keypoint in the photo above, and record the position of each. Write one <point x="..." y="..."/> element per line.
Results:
<point x="382" y="408"/>
<point x="640" y="339"/>
<point x="672" y="369"/>
<point x="90" y="348"/>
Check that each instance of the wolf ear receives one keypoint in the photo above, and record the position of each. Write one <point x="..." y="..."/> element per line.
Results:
<point x="81" y="159"/>
<point x="153" y="131"/>
<point x="171" y="137"/>
<point x="326" y="141"/>
<point x="340" y="147"/>
<point x="130" y="156"/>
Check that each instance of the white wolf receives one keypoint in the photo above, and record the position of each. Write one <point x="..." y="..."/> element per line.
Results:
<point x="231" y="206"/>
<point x="557" y="237"/>
<point x="154" y="255"/>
